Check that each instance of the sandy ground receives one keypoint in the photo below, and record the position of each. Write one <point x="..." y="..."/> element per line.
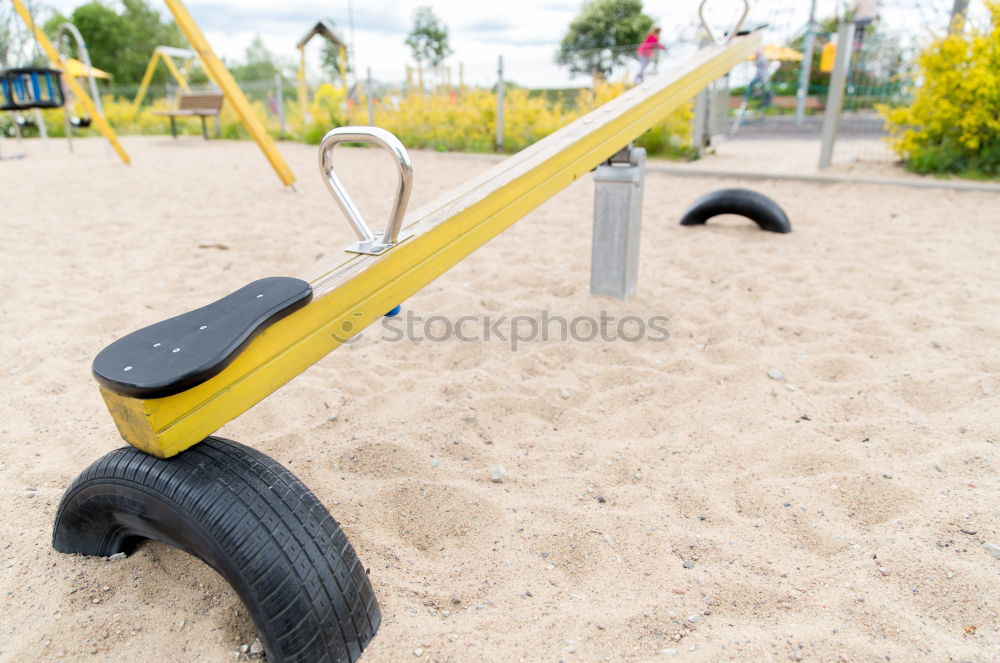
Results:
<point x="665" y="500"/>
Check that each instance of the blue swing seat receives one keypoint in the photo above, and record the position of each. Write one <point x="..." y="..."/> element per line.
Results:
<point x="25" y="88"/>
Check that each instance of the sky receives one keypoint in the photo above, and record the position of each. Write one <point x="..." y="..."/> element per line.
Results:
<point x="526" y="33"/>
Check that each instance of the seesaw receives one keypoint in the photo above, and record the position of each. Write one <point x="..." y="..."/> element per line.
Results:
<point x="171" y="385"/>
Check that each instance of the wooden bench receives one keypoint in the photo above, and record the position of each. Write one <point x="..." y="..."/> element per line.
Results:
<point x="196" y="105"/>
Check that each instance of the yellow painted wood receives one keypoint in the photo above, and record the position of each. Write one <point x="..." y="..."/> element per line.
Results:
<point x="222" y="78"/>
<point x="300" y="78"/>
<point x="81" y="95"/>
<point x="147" y="78"/>
<point x="359" y="290"/>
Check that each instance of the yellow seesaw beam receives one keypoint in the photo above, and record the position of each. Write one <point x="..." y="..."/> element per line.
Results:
<point x="358" y="291"/>
<point x="81" y="95"/>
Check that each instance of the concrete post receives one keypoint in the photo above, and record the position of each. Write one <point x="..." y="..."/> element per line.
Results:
<point x="700" y="135"/>
<point x="614" y="262"/>
<point x="835" y="97"/>
<point x="719" y="107"/>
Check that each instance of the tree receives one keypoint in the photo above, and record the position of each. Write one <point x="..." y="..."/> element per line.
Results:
<point x="329" y="58"/>
<point x="258" y="65"/>
<point x="120" y="42"/>
<point x="428" y="40"/>
<point x="603" y="35"/>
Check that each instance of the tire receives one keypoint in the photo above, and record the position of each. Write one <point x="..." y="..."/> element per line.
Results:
<point x="251" y="520"/>
<point x="755" y="206"/>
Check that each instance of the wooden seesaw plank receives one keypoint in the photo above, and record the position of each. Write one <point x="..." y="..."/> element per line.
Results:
<point x="356" y="292"/>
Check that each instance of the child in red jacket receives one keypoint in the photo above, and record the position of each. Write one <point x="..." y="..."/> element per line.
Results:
<point x="646" y="49"/>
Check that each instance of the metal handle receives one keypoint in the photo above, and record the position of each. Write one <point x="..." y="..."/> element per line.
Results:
<point x="368" y="242"/>
<point x="733" y="32"/>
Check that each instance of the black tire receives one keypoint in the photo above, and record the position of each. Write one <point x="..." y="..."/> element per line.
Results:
<point x="755" y="206"/>
<point x="251" y="520"/>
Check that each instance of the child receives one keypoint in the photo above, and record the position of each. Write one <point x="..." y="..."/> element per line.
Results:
<point x="646" y="49"/>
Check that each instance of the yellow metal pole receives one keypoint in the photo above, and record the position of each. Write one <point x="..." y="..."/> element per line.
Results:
<point x="300" y="79"/>
<point x="147" y="77"/>
<point x="222" y="77"/>
<point x="356" y="292"/>
<point x="78" y="91"/>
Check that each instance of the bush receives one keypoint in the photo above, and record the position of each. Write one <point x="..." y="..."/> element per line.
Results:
<point x="953" y="124"/>
<point x="444" y="121"/>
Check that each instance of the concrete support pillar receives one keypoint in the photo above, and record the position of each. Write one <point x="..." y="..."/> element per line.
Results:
<point x="618" y="185"/>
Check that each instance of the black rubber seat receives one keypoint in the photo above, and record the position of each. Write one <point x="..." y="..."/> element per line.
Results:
<point x="174" y="355"/>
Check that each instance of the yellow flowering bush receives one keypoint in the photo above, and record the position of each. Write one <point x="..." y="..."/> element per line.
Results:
<point x="449" y="120"/>
<point x="953" y="124"/>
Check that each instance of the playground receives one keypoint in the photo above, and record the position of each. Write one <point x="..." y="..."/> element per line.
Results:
<point x="774" y="440"/>
<point x="805" y="469"/>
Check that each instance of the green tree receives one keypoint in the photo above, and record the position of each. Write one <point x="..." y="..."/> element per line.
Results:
<point x="329" y="58"/>
<point x="603" y="35"/>
<point x="121" y="42"/>
<point x="428" y="40"/>
<point x="259" y="63"/>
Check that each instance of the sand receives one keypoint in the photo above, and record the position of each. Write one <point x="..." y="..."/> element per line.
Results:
<point x="835" y="514"/>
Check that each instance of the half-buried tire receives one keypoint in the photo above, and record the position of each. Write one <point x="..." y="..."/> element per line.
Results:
<point x="251" y="520"/>
<point x="755" y="206"/>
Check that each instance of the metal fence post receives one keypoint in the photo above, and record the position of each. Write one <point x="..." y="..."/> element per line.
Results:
<point x="614" y="258"/>
<point x="805" y="71"/>
<point x="835" y="98"/>
<point x="500" y="91"/>
<point x="371" y="104"/>
<point x="280" y="103"/>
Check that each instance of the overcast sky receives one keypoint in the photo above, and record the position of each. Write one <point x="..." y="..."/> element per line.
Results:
<point x="526" y="33"/>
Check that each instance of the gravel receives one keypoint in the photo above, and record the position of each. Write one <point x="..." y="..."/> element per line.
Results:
<point x="775" y="374"/>
<point x="993" y="549"/>
<point x="689" y="564"/>
<point x="498" y="474"/>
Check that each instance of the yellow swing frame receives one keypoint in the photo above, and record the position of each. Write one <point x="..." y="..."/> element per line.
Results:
<point x="213" y="67"/>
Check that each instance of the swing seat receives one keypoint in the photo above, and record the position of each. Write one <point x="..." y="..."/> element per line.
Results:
<point x="177" y="354"/>
<point x="31" y="87"/>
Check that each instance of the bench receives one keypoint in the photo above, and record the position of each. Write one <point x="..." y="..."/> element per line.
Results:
<point x="196" y="105"/>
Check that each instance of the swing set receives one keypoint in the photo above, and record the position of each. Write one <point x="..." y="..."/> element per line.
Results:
<point x="38" y="87"/>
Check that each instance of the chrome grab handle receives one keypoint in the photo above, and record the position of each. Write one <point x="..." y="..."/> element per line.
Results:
<point x="733" y="32"/>
<point x="372" y="243"/>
